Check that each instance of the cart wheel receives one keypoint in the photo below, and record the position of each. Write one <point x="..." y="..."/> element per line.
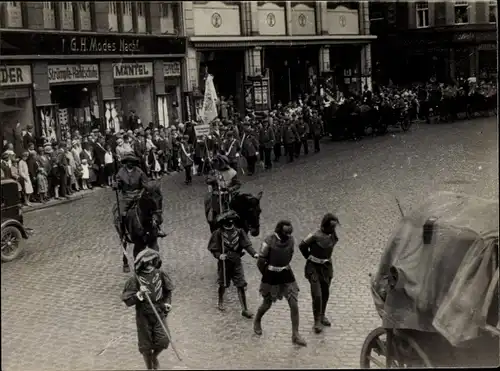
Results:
<point x="406" y="352"/>
<point x="12" y="243"/>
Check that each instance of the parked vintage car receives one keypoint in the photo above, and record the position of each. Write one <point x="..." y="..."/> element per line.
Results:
<point x="12" y="229"/>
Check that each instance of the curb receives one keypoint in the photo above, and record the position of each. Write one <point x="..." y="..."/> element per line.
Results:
<point x="48" y="205"/>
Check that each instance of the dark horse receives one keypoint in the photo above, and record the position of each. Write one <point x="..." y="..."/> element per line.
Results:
<point x="141" y="221"/>
<point x="248" y="209"/>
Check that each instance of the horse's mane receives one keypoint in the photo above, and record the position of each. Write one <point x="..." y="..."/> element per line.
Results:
<point x="152" y="187"/>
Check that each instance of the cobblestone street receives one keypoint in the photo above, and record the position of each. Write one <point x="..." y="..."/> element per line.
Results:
<point x="61" y="306"/>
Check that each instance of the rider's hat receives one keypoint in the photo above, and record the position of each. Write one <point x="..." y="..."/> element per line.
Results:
<point x="130" y="158"/>
<point x="229" y="215"/>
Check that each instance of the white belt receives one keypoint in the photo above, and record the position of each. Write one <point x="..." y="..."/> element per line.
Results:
<point x="272" y="268"/>
<point x="317" y="260"/>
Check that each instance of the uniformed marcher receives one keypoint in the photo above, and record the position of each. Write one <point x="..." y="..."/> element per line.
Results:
<point x="303" y="132"/>
<point x="228" y="244"/>
<point x="278" y="280"/>
<point x="266" y="142"/>
<point x="231" y="149"/>
<point x="130" y="180"/>
<point x="317" y="248"/>
<point x="149" y="280"/>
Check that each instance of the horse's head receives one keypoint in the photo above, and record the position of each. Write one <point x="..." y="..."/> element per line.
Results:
<point x="151" y="201"/>
<point x="248" y="209"/>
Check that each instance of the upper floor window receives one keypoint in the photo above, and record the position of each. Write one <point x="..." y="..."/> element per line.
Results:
<point x="85" y="15"/>
<point x="113" y="7"/>
<point x="127" y="8"/>
<point x="461" y="12"/>
<point x="165" y="10"/>
<point x="141" y="11"/>
<point x="492" y="12"/>
<point x="422" y="14"/>
<point x="11" y="14"/>
<point x="68" y="16"/>
<point x="113" y="16"/>
<point x="49" y="15"/>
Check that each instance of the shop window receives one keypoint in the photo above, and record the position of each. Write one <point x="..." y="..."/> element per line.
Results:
<point x="113" y="16"/>
<point x="422" y="14"/>
<point x="461" y="12"/>
<point x="77" y="108"/>
<point x="12" y="111"/>
<point x="141" y="16"/>
<point x="134" y="98"/>
<point x="492" y="12"/>
<point x="11" y="14"/>
<point x="68" y="15"/>
<point x="85" y="15"/>
<point x="167" y="22"/>
<point x="49" y="15"/>
<point x="127" y="13"/>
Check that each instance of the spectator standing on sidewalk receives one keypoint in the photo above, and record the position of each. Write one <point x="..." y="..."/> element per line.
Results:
<point x="25" y="176"/>
<point x="109" y="165"/>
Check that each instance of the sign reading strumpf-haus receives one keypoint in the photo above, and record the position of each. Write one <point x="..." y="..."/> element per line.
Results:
<point x="40" y="43"/>
<point x="73" y="73"/>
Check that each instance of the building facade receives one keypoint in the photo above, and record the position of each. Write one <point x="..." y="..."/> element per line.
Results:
<point x="262" y="53"/>
<point x="68" y="66"/>
<point x="447" y="40"/>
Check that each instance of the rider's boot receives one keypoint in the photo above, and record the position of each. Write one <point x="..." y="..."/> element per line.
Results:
<point x="243" y="301"/>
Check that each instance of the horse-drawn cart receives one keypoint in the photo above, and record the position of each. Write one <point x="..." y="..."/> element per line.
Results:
<point x="436" y="289"/>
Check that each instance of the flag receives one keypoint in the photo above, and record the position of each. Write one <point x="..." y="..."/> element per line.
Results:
<point x="209" y="110"/>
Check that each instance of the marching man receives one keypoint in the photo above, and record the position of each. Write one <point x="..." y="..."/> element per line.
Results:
<point x="317" y="248"/>
<point x="152" y="281"/>
<point x="278" y="280"/>
<point x="227" y="244"/>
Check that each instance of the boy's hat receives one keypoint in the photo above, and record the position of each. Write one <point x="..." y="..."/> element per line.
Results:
<point x="145" y="256"/>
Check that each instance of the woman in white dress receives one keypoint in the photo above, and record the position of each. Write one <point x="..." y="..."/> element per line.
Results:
<point x="25" y="175"/>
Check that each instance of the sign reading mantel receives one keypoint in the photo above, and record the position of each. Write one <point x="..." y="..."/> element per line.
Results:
<point x="122" y="71"/>
<point x="73" y="73"/>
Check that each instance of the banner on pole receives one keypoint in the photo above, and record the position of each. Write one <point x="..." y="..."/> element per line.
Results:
<point x="209" y="110"/>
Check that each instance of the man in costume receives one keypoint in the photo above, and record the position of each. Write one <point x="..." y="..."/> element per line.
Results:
<point x="317" y="248"/>
<point x="130" y="181"/>
<point x="152" y="281"/>
<point x="227" y="244"/>
<point x="278" y="280"/>
<point x="223" y="182"/>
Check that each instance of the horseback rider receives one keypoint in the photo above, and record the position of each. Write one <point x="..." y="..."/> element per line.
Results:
<point x="130" y="181"/>
<point x="223" y="183"/>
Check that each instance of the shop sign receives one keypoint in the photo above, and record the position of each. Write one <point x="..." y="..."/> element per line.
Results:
<point x="73" y="73"/>
<point x="172" y="69"/>
<point x="15" y="75"/>
<point x="464" y="36"/>
<point x="132" y="70"/>
<point x="40" y="43"/>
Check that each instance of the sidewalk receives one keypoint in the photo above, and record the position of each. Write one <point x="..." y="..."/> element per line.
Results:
<point x="52" y="203"/>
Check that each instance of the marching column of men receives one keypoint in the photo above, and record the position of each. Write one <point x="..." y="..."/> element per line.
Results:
<point x="257" y="140"/>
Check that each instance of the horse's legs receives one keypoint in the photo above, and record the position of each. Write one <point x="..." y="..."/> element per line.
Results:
<point x="154" y="245"/>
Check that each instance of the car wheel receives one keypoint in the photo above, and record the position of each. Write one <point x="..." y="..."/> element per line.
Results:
<point x="12" y="243"/>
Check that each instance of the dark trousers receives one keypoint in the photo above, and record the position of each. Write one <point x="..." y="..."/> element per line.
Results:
<point x="290" y="151"/>
<point x="175" y="161"/>
<point x="251" y="161"/>
<point x="277" y="151"/>
<point x="316" y="143"/>
<point x="302" y="143"/>
<point x="63" y="184"/>
<point x="267" y="158"/>
<point x="188" y="171"/>
<point x="199" y="165"/>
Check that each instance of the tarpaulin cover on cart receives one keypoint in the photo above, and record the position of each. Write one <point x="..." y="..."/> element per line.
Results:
<point x="440" y="286"/>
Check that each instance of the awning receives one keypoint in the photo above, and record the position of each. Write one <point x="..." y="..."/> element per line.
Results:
<point x="221" y="42"/>
<point x="6" y="108"/>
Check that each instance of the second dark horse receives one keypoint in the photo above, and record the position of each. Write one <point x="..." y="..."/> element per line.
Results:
<point x="141" y="222"/>
<point x="247" y="206"/>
